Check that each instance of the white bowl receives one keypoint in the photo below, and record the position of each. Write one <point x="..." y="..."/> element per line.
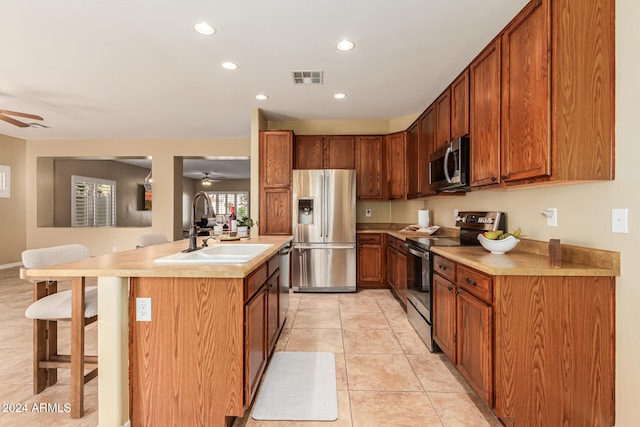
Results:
<point x="498" y="246"/>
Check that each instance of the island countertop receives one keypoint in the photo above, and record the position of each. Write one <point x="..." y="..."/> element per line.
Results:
<point x="140" y="263"/>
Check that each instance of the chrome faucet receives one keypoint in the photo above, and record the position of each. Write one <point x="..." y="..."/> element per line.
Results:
<point x="193" y="229"/>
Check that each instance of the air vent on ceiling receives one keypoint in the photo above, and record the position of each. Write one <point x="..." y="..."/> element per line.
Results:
<point x="307" y="77"/>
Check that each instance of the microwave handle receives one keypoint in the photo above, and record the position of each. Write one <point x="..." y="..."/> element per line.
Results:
<point x="446" y="164"/>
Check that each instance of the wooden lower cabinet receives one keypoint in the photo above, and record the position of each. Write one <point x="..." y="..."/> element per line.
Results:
<point x="539" y="350"/>
<point x="397" y="268"/>
<point x="255" y="312"/>
<point x="474" y="348"/>
<point x="444" y="316"/>
<point x="371" y="260"/>
<point x="199" y="361"/>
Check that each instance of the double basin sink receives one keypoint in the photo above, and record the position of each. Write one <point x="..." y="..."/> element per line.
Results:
<point x="222" y="253"/>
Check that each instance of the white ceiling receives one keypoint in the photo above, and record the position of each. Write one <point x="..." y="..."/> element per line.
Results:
<point x="137" y="69"/>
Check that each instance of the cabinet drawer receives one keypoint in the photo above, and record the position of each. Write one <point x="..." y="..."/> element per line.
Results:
<point x="401" y="247"/>
<point x="369" y="238"/>
<point x="255" y="281"/>
<point x="475" y="283"/>
<point x="392" y="242"/>
<point x="272" y="265"/>
<point x="444" y="267"/>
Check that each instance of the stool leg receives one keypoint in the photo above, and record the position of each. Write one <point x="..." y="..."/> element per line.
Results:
<point x="45" y="342"/>
<point x="77" y="347"/>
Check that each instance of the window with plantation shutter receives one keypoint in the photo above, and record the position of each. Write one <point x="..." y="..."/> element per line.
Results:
<point x="223" y="200"/>
<point x="93" y="203"/>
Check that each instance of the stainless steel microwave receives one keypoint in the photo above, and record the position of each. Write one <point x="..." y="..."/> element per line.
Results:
<point x="449" y="166"/>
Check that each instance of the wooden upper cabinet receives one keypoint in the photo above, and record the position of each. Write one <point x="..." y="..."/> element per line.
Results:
<point x="443" y="119"/>
<point x="583" y="85"/>
<point x="325" y="152"/>
<point x="276" y="157"/>
<point x="339" y="152"/>
<point x="308" y="152"/>
<point x="460" y="105"/>
<point x="370" y="168"/>
<point x="412" y="161"/>
<point x="396" y="155"/>
<point x="426" y="145"/>
<point x="485" y="117"/>
<point x="526" y="137"/>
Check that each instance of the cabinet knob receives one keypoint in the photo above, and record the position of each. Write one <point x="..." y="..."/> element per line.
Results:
<point x="471" y="282"/>
<point x="449" y="288"/>
<point x="504" y="176"/>
<point x="442" y="267"/>
<point x="494" y="179"/>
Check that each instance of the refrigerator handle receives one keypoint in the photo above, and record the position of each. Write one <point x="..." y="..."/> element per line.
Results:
<point x="326" y="202"/>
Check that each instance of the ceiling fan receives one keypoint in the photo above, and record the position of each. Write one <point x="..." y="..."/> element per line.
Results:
<point x="4" y="115"/>
<point x="207" y="180"/>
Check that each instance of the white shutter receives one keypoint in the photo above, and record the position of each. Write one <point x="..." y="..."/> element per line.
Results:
<point x="93" y="203"/>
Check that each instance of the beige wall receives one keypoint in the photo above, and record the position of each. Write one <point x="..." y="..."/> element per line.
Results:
<point x="12" y="209"/>
<point x="167" y="185"/>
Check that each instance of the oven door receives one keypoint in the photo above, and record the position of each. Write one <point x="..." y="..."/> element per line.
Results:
<point x="419" y="264"/>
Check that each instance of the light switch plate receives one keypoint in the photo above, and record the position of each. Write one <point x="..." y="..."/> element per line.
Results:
<point x="552" y="217"/>
<point x="367" y="212"/>
<point x="619" y="220"/>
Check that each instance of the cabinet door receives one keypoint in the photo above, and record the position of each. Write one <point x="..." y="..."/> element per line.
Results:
<point x="443" y="119"/>
<point x="339" y="152"/>
<point x="255" y="342"/>
<point x="526" y="137"/>
<point x="460" y="105"/>
<point x="391" y="267"/>
<point x="276" y="158"/>
<point x="370" y="259"/>
<point x="275" y="211"/>
<point x="401" y="277"/>
<point x="308" y="152"/>
<point x="273" y="292"/>
<point x="444" y="316"/>
<point x="370" y="174"/>
<point x="396" y="165"/>
<point x="411" y="167"/>
<point x="485" y="117"/>
<point x="426" y="146"/>
<point x="474" y="346"/>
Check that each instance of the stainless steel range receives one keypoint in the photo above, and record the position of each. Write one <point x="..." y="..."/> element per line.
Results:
<point x="420" y="266"/>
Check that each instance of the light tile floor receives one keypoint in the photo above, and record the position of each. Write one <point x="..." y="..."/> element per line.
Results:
<point x="385" y="375"/>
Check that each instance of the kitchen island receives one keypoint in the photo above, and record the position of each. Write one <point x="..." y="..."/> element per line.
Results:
<point x="187" y="365"/>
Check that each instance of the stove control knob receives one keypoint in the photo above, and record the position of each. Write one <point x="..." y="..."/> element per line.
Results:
<point x="459" y="219"/>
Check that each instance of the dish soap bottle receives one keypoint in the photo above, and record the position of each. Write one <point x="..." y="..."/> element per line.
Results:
<point x="233" y="223"/>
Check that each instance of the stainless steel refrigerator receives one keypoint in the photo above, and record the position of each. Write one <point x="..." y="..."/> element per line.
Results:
<point x="324" y="231"/>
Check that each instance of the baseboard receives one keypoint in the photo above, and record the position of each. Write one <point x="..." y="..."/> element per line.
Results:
<point x="14" y="264"/>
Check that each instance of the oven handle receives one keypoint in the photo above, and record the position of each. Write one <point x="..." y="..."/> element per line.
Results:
<point x="421" y="254"/>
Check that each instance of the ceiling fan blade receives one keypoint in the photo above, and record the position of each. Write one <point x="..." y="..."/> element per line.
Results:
<point x="13" y="121"/>
<point x="25" y="115"/>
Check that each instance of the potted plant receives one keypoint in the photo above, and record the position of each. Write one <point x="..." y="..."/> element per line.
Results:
<point x="244" y="224"/>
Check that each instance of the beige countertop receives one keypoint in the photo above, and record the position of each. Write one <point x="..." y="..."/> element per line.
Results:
<point x="521" y="263"/>
<point x="528" y="259"/>
<point x="140" y="263"/>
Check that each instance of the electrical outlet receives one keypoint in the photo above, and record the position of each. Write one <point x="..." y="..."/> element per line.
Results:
<point x="367" y="212"/>
<point x="143" y="309"/>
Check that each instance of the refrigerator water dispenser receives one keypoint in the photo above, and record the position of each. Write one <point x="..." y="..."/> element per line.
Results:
<point x="305" y="211"/>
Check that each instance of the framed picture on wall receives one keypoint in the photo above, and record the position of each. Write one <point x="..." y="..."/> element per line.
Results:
<point x="5" y="181"/>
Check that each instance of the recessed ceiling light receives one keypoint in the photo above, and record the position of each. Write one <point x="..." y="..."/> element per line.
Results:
<point x="261" y="96"/>
<point x="204" y="28"/>
<point x="345" y="45"/>
<point x="229" y="65"/>
<point x="340" y="96"/>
